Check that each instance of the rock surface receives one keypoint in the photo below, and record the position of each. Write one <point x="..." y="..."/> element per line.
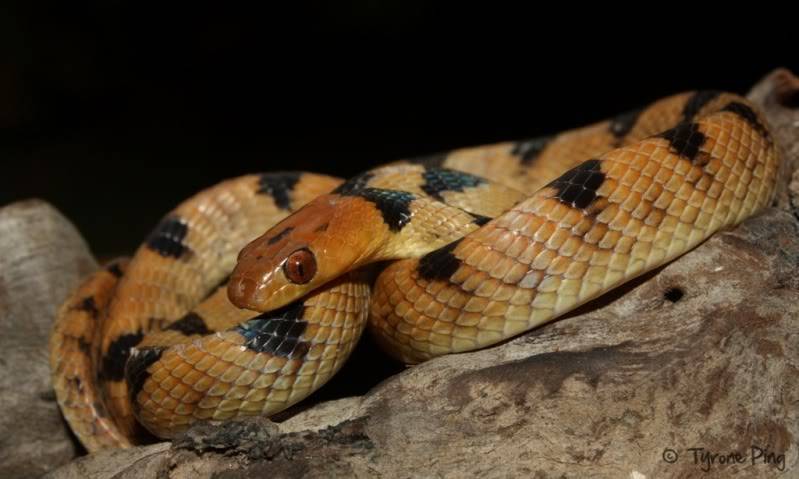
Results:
<point x="778" y="97"/>
<point x="703" y="353"/>
<point x="43" y="258"/>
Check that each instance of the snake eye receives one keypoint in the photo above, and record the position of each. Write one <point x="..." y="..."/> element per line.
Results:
<point x="300" y="266"/>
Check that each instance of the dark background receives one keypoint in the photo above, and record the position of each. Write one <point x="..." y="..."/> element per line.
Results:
<point x="115" y="111"/>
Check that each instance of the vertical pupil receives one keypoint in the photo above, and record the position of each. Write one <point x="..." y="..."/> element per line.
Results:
<point x="300" y="267"/>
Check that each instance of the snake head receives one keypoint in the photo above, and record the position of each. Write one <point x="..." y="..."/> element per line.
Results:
<point x="323" y="240"/>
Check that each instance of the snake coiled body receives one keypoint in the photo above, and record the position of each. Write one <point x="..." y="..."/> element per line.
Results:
<point x="483" y="244"/>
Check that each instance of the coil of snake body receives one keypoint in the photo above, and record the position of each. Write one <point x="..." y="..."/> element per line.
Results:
<point x="484" y="243"/>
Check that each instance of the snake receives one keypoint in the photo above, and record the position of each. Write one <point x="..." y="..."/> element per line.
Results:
<point x="250" y="295"/>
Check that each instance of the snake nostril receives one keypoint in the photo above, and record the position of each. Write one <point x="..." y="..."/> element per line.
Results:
<point x="673" y="294"/>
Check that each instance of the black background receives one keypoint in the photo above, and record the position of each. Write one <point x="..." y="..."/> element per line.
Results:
<point x="116" y="111"/>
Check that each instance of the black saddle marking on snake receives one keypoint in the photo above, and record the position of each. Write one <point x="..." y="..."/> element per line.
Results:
<point x="440" y="264"/>
<point x="354" y="184"/>
<point x="277" y="332"/>
<point x="191" y="323"/>
<point x="621" y="124"/>
<point x="480" y="220"/>
<point x="88" y="305"/>
<point x="279" y="185"/>
<point x="698" y="101"/>
<point x="113" y="362"/>
<point x="577" y="187"/>
<point x="745" y="112"/>
<point x="439" y="180"/>
<point x="115" y="269"/>
<point x="685" y="140"/>
<point x="434" y="160"/>
<point x="529" y="150"/>
<point x="394" y="206"/>
<point x="136" y="370"/>
<point x="167" y="238"/>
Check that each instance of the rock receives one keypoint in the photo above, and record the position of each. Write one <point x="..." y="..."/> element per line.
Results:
<point x="672" y="375"/>
<point x="43" y="257"/>
<point x="778" y="96"/>
<point x="144" y="461"/>
<point x="322" y="415"/>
